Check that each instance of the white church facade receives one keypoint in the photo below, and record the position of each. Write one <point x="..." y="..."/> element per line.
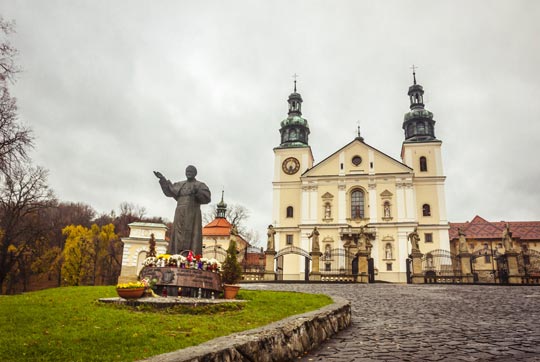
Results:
<point x="356" y="190"/>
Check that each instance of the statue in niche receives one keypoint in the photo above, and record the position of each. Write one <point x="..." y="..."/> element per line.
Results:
<point x="414" y="239"/>
<point x="388" y="250"/>
<point x="327" y="211"/>
<point x="315" y="242"/>
<point x="270" y="246"/>
<point x="386" y="210"/>
<point x="187" y="225"/>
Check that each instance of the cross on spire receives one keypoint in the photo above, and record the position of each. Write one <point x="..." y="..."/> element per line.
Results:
<point x="414" y="67"/>
<point x="358" y="135"/>
<point x="295" y="76"/>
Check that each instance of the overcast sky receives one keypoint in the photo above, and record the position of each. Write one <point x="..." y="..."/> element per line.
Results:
<point x="116" y="89"/>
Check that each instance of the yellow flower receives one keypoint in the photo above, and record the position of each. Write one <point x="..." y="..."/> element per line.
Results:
<point x="130" y="285"/>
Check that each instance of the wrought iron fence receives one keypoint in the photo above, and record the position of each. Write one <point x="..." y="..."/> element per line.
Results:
<point x="529" y="266"/>
<point x="338" y="265"/>
<point x="441" y="266"/>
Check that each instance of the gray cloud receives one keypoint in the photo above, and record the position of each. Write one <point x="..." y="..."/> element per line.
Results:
<point x="116" y="90"/>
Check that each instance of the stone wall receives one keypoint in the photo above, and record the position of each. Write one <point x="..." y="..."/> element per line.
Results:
<point x="280" y="341"/>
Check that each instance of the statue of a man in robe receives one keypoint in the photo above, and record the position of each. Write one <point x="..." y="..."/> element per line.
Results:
<point x="414" y="239"/>
<point x="315" y="242"/>
<point x="462" y="241"/>
<point x="271" y="238"/>
<point x="507" y="239"/>
<point x="187" y="226"/>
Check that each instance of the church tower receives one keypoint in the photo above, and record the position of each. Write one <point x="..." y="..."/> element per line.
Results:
<point x="421" y="151"/>
<point x="292" y="158"/>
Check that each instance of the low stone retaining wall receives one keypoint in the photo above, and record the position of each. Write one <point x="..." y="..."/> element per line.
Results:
<point x="280" y="341"/>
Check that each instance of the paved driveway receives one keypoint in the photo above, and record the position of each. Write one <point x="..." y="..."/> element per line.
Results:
<point x="393" y="322"/>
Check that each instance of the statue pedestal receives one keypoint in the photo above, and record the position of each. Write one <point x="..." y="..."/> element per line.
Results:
<point x="187" y="281"/>
<point x="417" y="274"/>
<point x="363" y="256"/>
<point x="466" y="272"/>
<point x="513" y="270"/>
<point x="269" y="269"/>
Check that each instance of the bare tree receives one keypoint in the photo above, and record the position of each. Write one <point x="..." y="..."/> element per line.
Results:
<point x="23" y="196"/>
<point x="15" y="139"/>
<point x="237" y="215"/>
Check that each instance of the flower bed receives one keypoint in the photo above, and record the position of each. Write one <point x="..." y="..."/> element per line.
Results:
<point x="184" y="262"/>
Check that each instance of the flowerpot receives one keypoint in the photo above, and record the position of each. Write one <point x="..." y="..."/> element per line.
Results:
<point x="130" y="293"/>
<point x="230" y="291"/>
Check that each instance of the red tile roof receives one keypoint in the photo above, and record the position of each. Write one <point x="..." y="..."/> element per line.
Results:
<point x="480" y="228"/>
<point x="218" y="227"/>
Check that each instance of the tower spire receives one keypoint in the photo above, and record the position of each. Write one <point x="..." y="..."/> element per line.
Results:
<point x="418" y="123"/>
<point x="358" y="135"/>
<point x="294" y="129"/>
<point x="221" y="207"/>
<point x="295" y="76"/>
<point x="414" y="73"/>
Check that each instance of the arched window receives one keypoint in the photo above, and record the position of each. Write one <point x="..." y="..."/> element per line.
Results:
<point x="421" y="128"/>
<point x="290" y="212"/>
<point x="426" y="210"/>
<point x="410" y="129"/>
<point x="423" y="164"/>
<point x="357" y="204"/>
<point x="388" y="251"/>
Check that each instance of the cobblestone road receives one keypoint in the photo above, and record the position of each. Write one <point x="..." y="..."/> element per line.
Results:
<point x="392" y="322"/>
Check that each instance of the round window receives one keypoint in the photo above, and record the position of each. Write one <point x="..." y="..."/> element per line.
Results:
<point x="356" y="160"/>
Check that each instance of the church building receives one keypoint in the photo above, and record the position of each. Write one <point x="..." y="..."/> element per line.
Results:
<point x="358" y="190"/>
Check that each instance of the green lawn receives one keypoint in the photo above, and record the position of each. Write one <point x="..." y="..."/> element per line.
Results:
<point x="68" y="324"/>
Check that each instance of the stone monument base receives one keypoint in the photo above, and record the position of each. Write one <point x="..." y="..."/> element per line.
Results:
<point x="173" y="282"/>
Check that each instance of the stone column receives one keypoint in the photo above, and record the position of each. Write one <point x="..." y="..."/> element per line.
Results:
<point x="363" y="256"/>
<point x="513" y="271"/>
<point x="270" y="267"/>
<point x="466" y="273"/>
<point x="315" y="271"/>
<point x="417" y="275"/>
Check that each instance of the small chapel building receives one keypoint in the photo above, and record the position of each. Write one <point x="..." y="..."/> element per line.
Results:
<point x="358" y="190"/>
<point x="217" y="235"/>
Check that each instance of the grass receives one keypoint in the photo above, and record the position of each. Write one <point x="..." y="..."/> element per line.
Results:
<point x="68" y="324"/>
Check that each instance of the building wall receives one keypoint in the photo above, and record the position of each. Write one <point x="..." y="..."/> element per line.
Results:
<point x="382" y="179"/>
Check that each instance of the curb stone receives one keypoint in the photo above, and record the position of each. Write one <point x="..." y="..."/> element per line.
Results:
<point x="284" y="340"/>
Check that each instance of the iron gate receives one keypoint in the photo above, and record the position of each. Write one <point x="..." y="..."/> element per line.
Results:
<point x="441" y="266"/>
<point x="339" y="265"/>
<point x="529" y="266"/>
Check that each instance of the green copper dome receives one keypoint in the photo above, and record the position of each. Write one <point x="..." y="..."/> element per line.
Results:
<point x="294" y="121"/>
<point x="418" y="113"/>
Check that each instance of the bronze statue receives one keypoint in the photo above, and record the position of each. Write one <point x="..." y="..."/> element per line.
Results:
<point x="414" y="239"/>
<point x="315" y="247"/>
<point x="187" y="226"/>
<point x="271" y="238"/>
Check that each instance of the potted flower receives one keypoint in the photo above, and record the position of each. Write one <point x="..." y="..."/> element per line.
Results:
<point x="231" y="272"/>
<point x="131" y="290"/>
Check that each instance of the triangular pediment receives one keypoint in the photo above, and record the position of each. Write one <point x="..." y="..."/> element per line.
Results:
<point x="327" y="195"/>
<point x="386" y="194"/>
<point x="357" y="158"/>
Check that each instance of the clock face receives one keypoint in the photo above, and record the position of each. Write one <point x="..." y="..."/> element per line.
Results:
<point x="290" y="166"/>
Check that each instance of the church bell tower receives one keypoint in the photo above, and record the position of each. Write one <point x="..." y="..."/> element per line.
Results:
<point x="292" y="158"/>
<point x="421" y="151"/>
